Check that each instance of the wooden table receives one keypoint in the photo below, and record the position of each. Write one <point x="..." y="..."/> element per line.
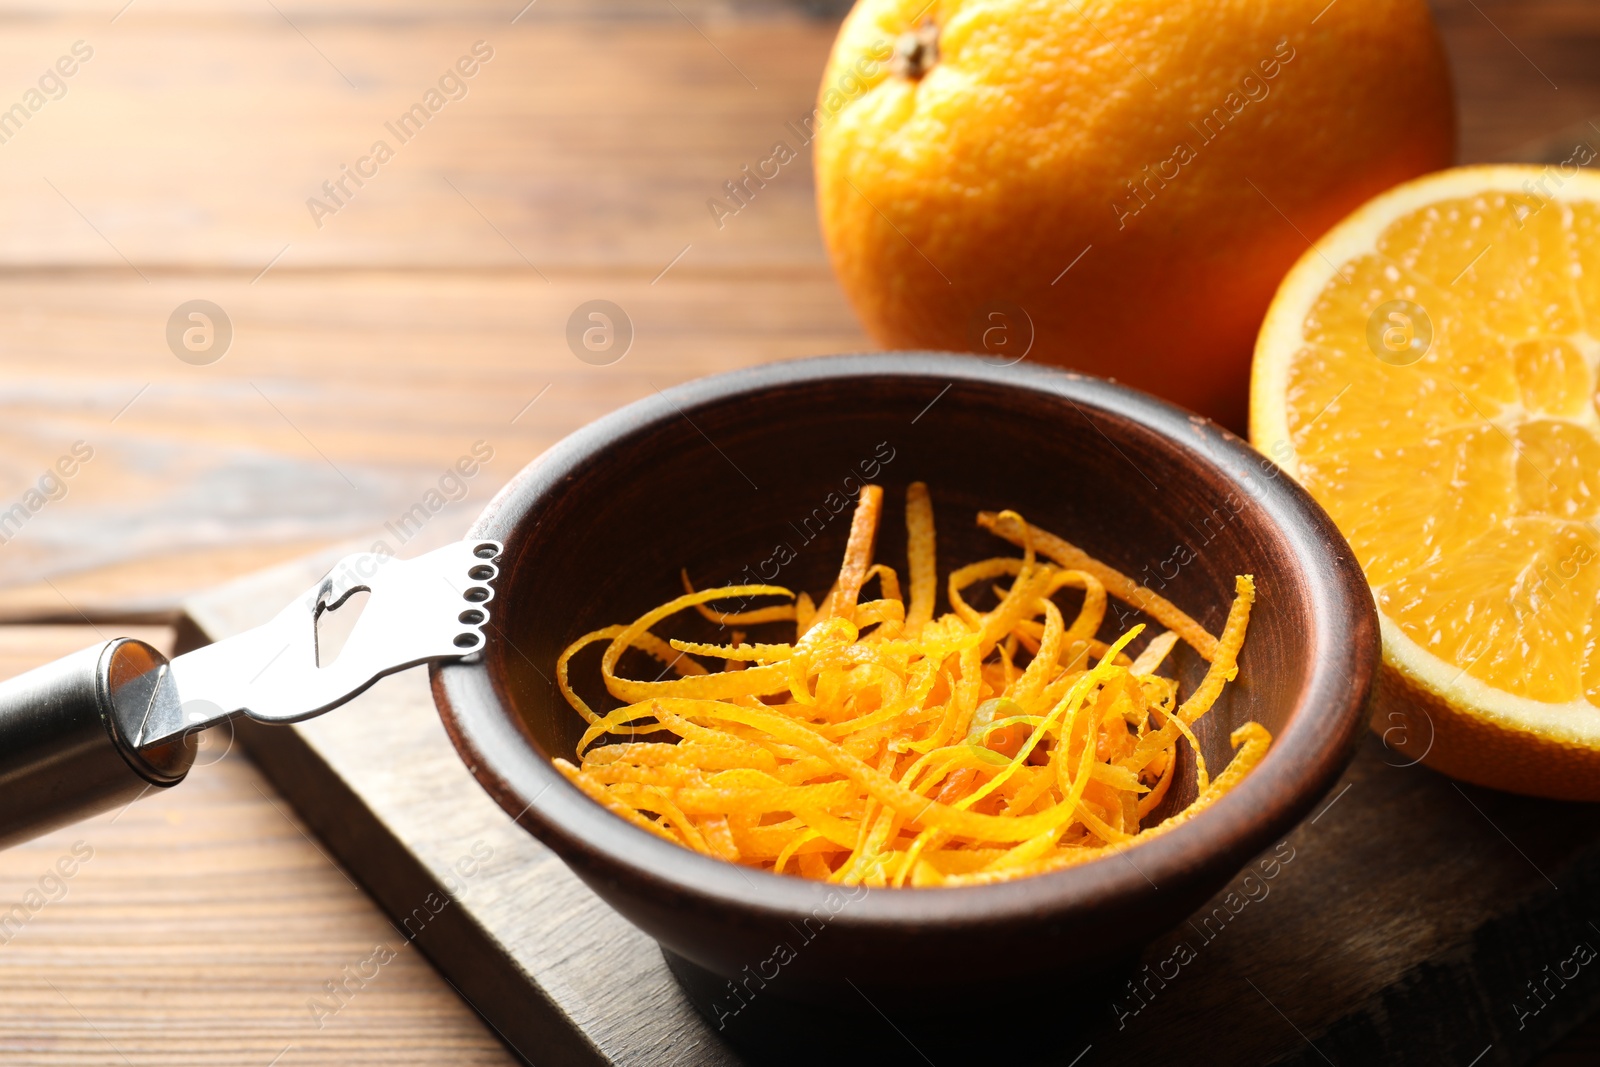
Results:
<point x="424" y="316"/>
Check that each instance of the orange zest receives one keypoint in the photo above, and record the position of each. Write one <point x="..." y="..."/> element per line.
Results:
<point x="886" y="746"/>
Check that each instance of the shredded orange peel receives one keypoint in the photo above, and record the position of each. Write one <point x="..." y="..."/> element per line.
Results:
<point x="887" y="746"/>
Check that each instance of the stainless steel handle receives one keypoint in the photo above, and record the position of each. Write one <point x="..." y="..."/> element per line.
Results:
<point x="65" y="738"/>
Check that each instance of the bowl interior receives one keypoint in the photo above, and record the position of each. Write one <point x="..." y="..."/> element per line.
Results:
<point x="760" y="487"/>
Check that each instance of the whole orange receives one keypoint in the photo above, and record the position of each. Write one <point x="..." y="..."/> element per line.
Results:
<point x="1113" y="185"/>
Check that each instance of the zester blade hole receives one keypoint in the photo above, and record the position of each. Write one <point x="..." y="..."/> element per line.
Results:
<point x="334" y="626"/>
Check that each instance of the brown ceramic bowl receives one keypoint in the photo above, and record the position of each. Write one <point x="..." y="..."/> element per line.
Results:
<point x="745" y="469"/>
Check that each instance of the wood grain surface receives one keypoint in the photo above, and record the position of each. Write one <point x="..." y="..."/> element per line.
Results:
<point x="372" y="351"/>
<point x="369" y="354"/>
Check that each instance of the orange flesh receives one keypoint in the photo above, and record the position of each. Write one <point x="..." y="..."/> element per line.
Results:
<point x="1468" y="482"/>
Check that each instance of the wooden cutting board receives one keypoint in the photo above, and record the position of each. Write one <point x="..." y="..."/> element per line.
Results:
<point x="1409" y="920"/>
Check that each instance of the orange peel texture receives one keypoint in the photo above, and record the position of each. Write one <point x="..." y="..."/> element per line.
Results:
<point x="887" y="746"/>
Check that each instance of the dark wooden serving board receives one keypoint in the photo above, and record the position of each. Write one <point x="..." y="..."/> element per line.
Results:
<point x="1409" y="920"/>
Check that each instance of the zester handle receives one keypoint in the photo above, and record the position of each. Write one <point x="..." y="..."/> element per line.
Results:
<point x="65" y="752"/>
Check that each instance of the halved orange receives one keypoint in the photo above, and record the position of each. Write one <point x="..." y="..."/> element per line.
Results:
<point x="1428" y="371"/>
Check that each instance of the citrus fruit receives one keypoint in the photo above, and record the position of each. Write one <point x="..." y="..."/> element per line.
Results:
<point x="1120" y="184"/>
<point x="1427" y="371"/>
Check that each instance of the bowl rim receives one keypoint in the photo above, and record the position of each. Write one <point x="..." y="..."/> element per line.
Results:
<point x="1307" y="757"/>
